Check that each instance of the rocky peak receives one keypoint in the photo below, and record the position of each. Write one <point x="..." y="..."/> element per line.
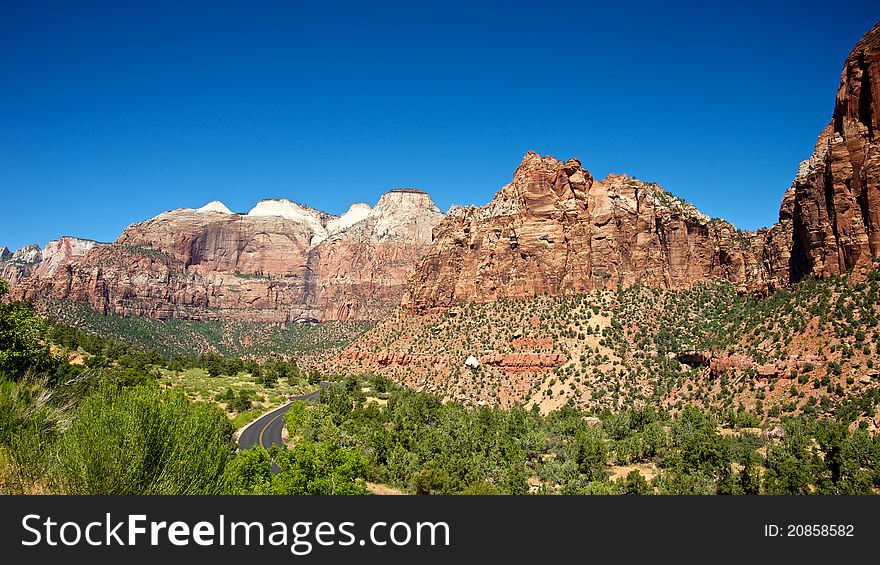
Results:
<point x="857" y="106"/>
<point x="368" y="263"/>
<point x="5" y="253"/>
<point x="357" y="212"/>
<point x="29" y="254"/>
<point x="62" y="252"/>
<point x="544" y="185"/>
<point x="215" y="206"/>
<point x="406" y="212"/>
<point x="404" y="199"/>
<point x="315" y="220"/>
<point x="555" y="230"/>
<point x="624" y="186"/>
<point x="20" y="264"/>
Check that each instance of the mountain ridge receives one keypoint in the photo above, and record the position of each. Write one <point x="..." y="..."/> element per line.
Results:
<point x="553" y="230"/>
<point x="201" y="264"/>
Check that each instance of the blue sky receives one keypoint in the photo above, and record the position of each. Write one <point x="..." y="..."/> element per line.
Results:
<point x="113" y="112"/>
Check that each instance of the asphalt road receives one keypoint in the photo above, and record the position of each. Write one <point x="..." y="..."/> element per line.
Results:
<point x="267" y="430"/>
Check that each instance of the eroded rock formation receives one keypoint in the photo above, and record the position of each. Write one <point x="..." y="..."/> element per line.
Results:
<point x="836" y="194"/>
<point x="556" y="230"/>
<point x="279" y="262"/>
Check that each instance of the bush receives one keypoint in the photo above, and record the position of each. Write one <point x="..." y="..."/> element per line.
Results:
<point x="22" y="345"/>
<point x="142" y="441"/>
<point x="634" y="483"/>
<point x="29" y="420"/>
<point x="25" y="405"/>
<point x="309" y="468"/>
<point x="239" y="403"/>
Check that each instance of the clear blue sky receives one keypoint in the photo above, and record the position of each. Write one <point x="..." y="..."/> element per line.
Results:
<point x="113" y="112"/>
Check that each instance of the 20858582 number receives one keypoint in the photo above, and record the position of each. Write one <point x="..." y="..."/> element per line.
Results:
<point x="820" y="530"/>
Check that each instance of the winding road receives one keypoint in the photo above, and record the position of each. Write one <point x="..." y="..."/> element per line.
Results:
<point x="266" y="430"/>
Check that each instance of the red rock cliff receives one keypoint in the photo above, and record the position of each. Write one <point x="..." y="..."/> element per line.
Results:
<point x="556" y="230"/>
<point x="836" y="212"/>
<point x="212" y="264"/>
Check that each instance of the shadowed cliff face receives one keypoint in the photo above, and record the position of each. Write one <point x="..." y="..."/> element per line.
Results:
<point x="212" y="264"/>
<point x="836" y="213"/>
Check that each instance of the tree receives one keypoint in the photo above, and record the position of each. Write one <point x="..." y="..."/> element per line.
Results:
<point x="793" y="467"/>
<point x="241" y="402"/>
<point x="308" y="468"/>
<point x="22" y="340"/>
<point x="250" y="472"/>
<point x="267" y="379"/>
<point x="430" y="479"/>
<point x="295" y="418"/>
<point x="634" y="483"/>
<point x="590" y="453"/>
<point x="750" y="479"/>
<point x="214" y="365"/>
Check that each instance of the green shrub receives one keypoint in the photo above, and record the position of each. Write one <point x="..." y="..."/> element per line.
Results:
<point x="308" y="468"/>
<point x="29" y="421"/>
<point x="22" y="345"/>
<point x="142" y="441"/>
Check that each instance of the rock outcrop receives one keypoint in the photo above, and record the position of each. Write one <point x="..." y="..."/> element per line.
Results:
<point x="526" y="362"/>
<point x="556" y="230"/>
<point x="362" y="269"/>
<point x="215" y="206"/>
<point x="279" y="262"/>
<point x="62" y="252"/>
<point x="31" y="262"/>
<point x="836" y="194"/>
<point x="28" y="255"/>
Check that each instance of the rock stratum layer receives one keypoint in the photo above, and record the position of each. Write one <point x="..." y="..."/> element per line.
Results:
<point x="280" y="262"/>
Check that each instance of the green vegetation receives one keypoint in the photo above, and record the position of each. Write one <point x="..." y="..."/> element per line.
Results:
<point x="307" y="468"/>
<point x="83" y="413"/>
<point x="809" y="349"/>
<point x="241" y="386"/>
<point x="21" y="333"/>
<point x="415" y="442"/>
<point x="148" y="442"/>
<point x="110" y="425"/>
<point x="307" y="342"/>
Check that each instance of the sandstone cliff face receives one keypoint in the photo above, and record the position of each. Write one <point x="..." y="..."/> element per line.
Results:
<point x="61" y="253"/>
<point x="553" y="230"/>
<point x="362" y="269"/>
<point x="556" y="230"/>
<point x="836" y="203"/>
<point x="31" y="261"/>
<point x="29" y="254"/>
<point x="272" y="264"/>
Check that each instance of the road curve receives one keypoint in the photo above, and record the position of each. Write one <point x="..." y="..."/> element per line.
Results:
<point x="267" y="429"/>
